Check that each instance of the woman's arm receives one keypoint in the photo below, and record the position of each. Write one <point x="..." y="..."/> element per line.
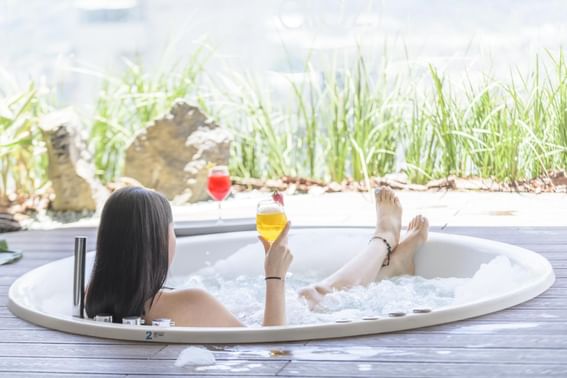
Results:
<point x="274" y="309"/>
<point x="276" y="264"/>
<point x="197" y="308"/>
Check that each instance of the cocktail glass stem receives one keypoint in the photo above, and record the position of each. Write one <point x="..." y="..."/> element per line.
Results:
<point x="219" y="219"/>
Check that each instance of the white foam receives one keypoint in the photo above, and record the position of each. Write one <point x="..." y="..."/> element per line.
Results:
<point x="242" y="291"/>
<point x="270" y="209"/>
<point x="495" y="278"/>
<point x="195" y="356"/>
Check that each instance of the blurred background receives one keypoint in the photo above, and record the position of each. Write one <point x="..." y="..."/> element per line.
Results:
<point x="339" y="94"/>
<point x="51" y="39"/>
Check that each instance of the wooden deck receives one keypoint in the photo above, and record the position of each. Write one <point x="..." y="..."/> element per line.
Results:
<point x="529" y="340"/>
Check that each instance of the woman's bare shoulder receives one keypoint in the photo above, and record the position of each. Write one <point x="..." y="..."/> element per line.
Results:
<point x="185" y="294"/>
<point x="191" y="307"/>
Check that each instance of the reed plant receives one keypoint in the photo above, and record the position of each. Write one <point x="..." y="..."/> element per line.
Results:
<point x="23" y="161"/>
<point x="349" y="119"/>
<point x="129" y="101"/>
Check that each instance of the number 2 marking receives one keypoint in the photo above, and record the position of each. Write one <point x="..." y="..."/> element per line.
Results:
<point x="148" y="335"/>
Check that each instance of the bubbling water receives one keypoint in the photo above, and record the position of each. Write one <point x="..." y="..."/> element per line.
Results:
<point x="244" y="294"/>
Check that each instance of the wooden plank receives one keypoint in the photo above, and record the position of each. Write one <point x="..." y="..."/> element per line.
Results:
<point x="411" y="339"/>
<point x="47" y="336"/>
<point x="111" y="351"/>
<point x="17" y="323"/>
<point x="25" y="264"/>
<point x="56" y="375"/>
<point x="7" y="279"/>
<point x="559" y="249"/>
<point x="393" y="369"/>
<point x="45" y="255"/>
<point x="524" y="315"/>
<point x="136" y="366"/>
<point x="401" y="339"/>
<point x="5" y="313"/>
<point x="509" y="328"/>
<point x="555" y="291"/>
<point x="543" y="303"/>
<point x="364" y="353"/>
<point x="207" y="375"/>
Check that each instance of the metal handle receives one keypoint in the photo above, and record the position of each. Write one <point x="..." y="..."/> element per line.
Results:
<point x="79" y="276"/>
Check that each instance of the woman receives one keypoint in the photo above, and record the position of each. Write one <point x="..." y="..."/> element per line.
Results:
<point x="136" y="245"/>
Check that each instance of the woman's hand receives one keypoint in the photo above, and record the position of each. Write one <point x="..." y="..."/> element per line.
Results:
<point x="278" y="256"/>
<point x="276" y="264"/>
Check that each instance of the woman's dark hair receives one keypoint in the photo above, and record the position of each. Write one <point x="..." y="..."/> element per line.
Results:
<point x="132" y="257"/>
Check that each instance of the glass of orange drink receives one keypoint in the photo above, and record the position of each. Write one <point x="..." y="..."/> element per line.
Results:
<point x="270" y="219"/>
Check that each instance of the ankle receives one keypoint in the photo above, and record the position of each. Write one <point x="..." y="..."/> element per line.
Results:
<point x="389" y="236"/>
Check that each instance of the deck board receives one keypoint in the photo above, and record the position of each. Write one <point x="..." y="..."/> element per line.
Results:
<point x="528" y="340"/>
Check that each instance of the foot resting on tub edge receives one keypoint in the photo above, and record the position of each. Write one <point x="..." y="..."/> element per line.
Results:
<point x="373" y="264"/>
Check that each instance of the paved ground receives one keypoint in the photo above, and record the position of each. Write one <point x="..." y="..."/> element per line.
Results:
<point x="443" y="208"/>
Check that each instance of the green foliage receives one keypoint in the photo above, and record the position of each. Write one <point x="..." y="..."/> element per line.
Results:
<point x="345" y="120"/>
<point x="128" y="102"/>
<point x="337" y="123"/>
<point x="23" y="162"/>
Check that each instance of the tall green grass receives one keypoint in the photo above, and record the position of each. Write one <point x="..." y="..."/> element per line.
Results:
<point x="347" y="119"/>
<point x="128" y="102"/>
<point x="502" y="130"/>
<point x="334" y="124"/>
<point x="23" y="162"/>
<point x="353" y="120"/>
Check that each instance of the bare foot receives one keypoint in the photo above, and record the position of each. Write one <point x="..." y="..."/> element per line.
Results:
<point x="314" y="294"/>
<point x="363" y="267"/>
<point x="402" y="258"/>
<point x="388" y="215"/>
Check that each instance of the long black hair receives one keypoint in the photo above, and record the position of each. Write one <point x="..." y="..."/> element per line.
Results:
<point x="132" y="257"/>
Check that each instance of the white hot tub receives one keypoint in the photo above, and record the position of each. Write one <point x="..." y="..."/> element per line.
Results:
<point x="44" y="295"/>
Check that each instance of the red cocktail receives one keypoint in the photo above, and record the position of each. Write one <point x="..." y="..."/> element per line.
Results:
<point x="219" y="187"/>
<point x="218" y="184"/>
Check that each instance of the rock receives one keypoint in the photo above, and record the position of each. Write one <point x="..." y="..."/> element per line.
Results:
<point x="399" y="177"/>
<point x="448" y="182"/>
<point x="276" y="185"/>
<point x="291" y="189"/>
<point x="316" y="190"/>
<point x="70" y="169"/>
<point x="559" y="178"/>
<point x="417" y="187"/>
<point x="172" y="155"/>
<point x="334" y="187"/>
<point x="470" y="183"/>
<point x="8" y="223"/>
<point x="396" y="185"/>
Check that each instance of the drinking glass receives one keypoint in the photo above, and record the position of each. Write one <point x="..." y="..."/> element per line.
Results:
<point x="270" y="219"/>
<point x="218" y="185"/>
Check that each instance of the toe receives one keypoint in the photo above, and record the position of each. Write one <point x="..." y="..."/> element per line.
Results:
<point x="419" y="221"/>
<point x="383" y="193"/>
<point x="413" y="223"/>
<point x="397" y="200"/>
<point x="377" y="194"/>
<point x="388" y="195"/>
